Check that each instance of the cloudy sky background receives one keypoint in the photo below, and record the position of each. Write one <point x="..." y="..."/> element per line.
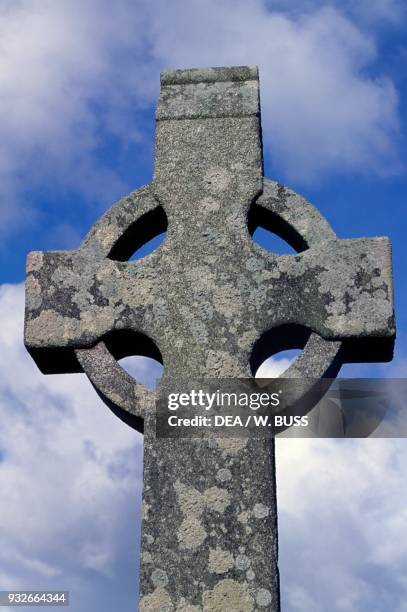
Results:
<point x="78" y="87"/>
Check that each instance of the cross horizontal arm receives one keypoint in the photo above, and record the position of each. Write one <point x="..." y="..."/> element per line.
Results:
<point x="339" y="288"/>
<point x="73" y="299"/>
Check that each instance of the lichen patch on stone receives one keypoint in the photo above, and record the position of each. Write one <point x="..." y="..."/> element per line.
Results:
<point x="191" y="533"/>
<point x="227" y="596"/>
<point x="157" y="601"/>
<point x="220" y="561"/>
<point x="35" y="260"/>
<point x="261" y="511"/>
<point x="216" y="499"/>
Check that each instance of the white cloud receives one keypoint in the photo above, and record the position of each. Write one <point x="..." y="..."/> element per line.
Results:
<point x="61" y="87"/>
<point x="74" y="73"/>
<point x="342" y="508"/>
<point x="145" y="370"/>
<point x="71" y="479"/>
<point x="321" y="112"/>
<point x="273" y="367"/>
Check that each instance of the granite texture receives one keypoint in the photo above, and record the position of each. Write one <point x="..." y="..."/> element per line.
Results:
<point x="210" y="300"/>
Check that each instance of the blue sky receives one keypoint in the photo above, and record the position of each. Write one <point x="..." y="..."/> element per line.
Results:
<point x="78" y="88"/>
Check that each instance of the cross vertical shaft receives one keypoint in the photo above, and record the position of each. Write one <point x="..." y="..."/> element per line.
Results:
<point x="209" y="534"/>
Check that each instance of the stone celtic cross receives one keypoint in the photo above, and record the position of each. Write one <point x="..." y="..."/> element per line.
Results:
<point x="209" y="302"/>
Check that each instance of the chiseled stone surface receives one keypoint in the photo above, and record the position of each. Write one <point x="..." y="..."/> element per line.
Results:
<point x="209" y="535"/>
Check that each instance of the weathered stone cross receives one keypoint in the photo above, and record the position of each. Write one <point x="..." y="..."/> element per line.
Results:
<point x="206" y="298"/>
